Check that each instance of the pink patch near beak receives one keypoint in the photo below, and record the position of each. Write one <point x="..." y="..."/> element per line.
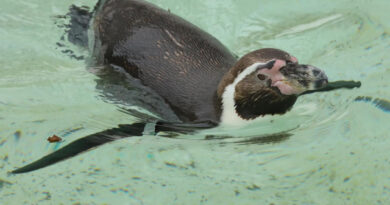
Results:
<point x="285" y="89"/>
<point x="278" y="79"/>
<point x="294" y="59"/>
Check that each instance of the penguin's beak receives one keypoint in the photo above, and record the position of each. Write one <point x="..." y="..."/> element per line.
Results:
<point x="299" y="78"/>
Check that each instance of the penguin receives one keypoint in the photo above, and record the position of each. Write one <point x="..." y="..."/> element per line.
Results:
<point x="192" y="80"/>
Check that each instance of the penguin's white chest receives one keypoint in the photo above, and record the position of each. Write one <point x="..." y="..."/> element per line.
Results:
<point x="229" y="115"/>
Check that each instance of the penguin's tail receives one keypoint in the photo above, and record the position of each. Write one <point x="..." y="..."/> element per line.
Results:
<point x="77" y="29"/>
<point x="80" y="20"/>
<point x="75" y="26"/>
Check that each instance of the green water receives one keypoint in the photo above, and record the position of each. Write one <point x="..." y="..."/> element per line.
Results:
<point x="338" y="152"/>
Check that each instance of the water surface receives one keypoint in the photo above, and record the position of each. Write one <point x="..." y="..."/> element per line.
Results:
<point x="336" y="153"/>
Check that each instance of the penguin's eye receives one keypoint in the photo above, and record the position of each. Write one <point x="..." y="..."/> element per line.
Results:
<point x="288" y="62"/>
<point x="261" y="76"/>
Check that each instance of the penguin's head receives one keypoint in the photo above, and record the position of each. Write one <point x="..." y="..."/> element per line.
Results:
<point x="266" y="81"/>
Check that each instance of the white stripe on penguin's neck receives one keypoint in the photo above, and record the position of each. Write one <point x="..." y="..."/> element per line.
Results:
<point x="229" y="115"/>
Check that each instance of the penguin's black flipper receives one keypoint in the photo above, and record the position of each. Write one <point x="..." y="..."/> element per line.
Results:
<point x="336" y="85"/>
<point x="84" y="144"/>
<point x="100" y="138"/>
<point x="184" y="128"/>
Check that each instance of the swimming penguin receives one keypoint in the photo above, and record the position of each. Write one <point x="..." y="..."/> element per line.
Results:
<point x="192" y="80"/>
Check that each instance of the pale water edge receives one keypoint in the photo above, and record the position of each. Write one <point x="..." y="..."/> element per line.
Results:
<point x="338" y="152"/>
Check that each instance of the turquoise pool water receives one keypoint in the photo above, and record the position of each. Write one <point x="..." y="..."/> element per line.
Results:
<point x="338" y="152"/>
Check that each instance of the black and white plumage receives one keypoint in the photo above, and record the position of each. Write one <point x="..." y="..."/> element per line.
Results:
<point x="193" y="81"/>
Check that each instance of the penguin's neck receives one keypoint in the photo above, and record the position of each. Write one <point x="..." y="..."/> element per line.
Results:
<point x="226" y="92"/>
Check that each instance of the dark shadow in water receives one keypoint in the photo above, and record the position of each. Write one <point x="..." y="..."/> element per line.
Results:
<point x="266" y="139"/>
<point x="257" y="139"/>
<point x="382" y="104"/>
